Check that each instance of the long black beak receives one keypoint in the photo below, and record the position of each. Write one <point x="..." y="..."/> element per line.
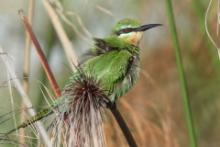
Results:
<point x="146" y="27"/>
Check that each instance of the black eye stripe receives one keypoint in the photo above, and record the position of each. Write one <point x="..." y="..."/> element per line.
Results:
<point x="126" y="30"/>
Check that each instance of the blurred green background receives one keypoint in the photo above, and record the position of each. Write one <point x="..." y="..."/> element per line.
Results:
<point x="153" y="108"/>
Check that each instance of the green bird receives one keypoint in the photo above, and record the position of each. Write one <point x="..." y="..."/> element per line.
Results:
<point x="108" y="74"/>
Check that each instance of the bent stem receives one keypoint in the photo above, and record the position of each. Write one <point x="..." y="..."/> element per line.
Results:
<point x="183" y="82"/>
<point x="208" y="42"/>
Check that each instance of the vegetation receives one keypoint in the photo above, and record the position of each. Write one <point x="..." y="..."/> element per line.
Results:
<point x="176" y="100"/>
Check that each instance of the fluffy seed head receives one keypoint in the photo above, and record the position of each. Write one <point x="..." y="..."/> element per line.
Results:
<point x="80" y="114"/>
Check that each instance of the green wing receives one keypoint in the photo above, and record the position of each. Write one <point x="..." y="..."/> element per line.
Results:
<point x="111" y="65"/>
<point x="109" y="69"/>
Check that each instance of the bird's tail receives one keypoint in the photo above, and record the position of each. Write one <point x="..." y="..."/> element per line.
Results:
<point x="5" y="138"/>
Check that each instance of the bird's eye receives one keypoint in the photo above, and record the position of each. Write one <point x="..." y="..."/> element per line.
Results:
<point x="123" y="31"/>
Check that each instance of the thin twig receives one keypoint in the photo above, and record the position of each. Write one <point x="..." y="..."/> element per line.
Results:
<point x="42" y="57"/>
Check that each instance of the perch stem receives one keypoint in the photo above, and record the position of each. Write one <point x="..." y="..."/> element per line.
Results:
<point x="122" y="124"/>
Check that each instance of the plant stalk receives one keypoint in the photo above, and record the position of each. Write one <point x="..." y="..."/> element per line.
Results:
<point x="42" y="57"/>
<point x="122" y="124"/>
<point x="182" y="77"/>
<point x="26" y="68"/>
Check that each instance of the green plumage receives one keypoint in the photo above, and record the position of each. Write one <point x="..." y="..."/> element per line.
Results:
<point x="116" y="69"/>
<point x="113" y="65"/>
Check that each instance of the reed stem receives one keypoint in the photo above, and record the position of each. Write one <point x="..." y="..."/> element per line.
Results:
<point x="41" y="56"/>
<point x="182" y="77"/>
<point x="26" y="68"/>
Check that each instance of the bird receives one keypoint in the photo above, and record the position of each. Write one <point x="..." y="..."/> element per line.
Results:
<point x="109" y="73"/>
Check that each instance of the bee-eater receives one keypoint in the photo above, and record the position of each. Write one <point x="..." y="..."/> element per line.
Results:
<point x="108" y="74"/>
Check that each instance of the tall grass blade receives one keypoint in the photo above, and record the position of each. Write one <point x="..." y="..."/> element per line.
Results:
<point x="183" y="82"/>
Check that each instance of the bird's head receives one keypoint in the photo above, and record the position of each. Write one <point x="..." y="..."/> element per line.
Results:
<point x="131" y="30"/>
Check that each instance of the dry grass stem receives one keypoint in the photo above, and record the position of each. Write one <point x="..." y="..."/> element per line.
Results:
<point x="104" y="10"/>
<point x="26" y="67"/>
<point x="12" y="101"/>
<point x="25" y="98"/>
<point x="207" y="29"/>
<point x="41" y="56"/>
<point x="67" y="45"/>
<point x="88" y="36"/>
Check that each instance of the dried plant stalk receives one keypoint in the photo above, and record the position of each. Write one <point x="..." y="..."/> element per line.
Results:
<point x="41" y="55"/>
<point x="26" y="68"/>
<point x="68" y="47"/>
<point x="24" y="96"/>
